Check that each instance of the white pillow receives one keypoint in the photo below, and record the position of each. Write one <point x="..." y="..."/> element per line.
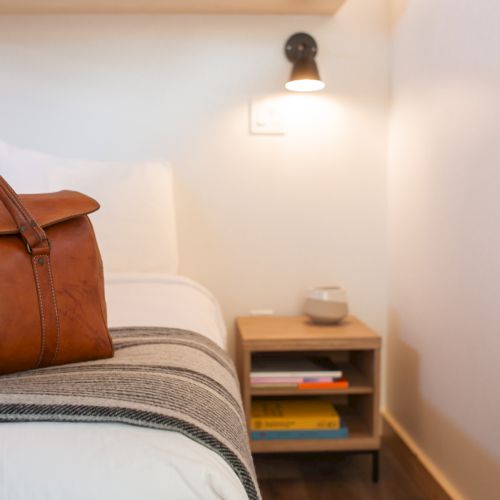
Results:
<point x="135" y="226"/>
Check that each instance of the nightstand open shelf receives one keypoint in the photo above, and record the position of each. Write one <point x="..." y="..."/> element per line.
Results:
<point x="351" y="345"/>
<point x="360" y="438"/>
<point x="358" y="384"/>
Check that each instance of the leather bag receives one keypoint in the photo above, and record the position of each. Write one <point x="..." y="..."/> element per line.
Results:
<point x="52" y="306"/>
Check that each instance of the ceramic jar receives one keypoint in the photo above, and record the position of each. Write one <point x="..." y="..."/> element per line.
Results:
<point x="326" y="304"/>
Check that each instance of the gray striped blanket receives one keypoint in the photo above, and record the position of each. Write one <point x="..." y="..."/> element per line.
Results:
<point x="161" y="378"/>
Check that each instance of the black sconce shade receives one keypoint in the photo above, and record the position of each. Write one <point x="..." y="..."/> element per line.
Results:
<point x="301" y="49"/>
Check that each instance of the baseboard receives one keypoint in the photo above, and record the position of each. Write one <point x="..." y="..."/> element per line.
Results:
<point x="433" y="483"/>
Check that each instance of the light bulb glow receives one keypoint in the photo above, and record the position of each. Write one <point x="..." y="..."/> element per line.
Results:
<point x="305" y="85"/>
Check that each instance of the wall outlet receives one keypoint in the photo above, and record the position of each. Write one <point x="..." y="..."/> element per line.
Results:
<point x="267" y="117"/>
<point x="261" y="312"/>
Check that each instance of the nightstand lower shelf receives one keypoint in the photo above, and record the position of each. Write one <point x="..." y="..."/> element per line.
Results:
<point x="360" y="438"/>
<point x="353" y="443"/>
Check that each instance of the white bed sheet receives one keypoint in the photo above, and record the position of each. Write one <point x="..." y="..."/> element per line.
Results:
<point x="164" y="300"/>
<point x="79" y="461"/>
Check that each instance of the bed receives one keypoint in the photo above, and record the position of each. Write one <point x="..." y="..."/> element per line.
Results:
<point x="73" y="459"/>
<point x="46" y="460"/>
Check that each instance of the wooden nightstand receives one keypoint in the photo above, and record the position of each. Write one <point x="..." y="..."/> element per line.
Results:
<point x="351" y="344"/>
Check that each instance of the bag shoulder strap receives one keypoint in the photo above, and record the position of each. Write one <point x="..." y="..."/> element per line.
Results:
<point x="38" y="247"/>
<point x="33" y="235"/>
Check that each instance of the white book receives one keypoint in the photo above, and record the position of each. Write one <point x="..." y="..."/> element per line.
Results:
<point x="264" y="366"/>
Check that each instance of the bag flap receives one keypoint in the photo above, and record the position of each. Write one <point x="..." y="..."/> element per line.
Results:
<point x="49" y="209"/>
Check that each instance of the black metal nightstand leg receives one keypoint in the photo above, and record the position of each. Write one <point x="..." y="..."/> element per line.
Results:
<point x="375" y="466"/>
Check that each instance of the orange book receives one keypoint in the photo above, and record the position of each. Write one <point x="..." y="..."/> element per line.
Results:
<point x="338" y="384"/>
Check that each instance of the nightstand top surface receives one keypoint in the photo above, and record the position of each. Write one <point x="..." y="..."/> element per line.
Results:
<point x="300" y="328"/>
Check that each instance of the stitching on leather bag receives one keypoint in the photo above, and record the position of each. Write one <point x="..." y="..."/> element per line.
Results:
<point x="54" y="301"/>
<point x="42" y="313"/>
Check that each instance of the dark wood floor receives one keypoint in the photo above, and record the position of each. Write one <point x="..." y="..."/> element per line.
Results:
<point x="333" y="477"/>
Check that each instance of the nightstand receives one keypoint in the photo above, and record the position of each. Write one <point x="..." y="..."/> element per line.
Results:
<point x="351" y="345"/>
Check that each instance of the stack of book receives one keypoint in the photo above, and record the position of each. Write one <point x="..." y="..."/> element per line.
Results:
<point x="300" y="372"/>
<point x="300" y="418"/>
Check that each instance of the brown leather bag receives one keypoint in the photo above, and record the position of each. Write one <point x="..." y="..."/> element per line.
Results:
<point x="52" y="307"/>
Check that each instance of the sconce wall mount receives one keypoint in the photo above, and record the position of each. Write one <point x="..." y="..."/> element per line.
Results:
<point x="300" y="50"/>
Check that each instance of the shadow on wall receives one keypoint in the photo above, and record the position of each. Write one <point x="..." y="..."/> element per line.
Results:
<point x="445" y="444"/>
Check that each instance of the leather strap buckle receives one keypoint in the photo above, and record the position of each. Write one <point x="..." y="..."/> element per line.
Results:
<point x="30" y="250"/>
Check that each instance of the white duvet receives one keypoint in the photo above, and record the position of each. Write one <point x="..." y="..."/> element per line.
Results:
<point x="81" y="461"/>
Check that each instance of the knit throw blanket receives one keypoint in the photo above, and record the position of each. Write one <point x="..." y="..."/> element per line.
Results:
<point x="161" y="378"/>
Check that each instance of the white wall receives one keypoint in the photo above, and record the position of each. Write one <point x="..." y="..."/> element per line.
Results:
<point x="444" y="342"/>
<point x="261" y="219"/>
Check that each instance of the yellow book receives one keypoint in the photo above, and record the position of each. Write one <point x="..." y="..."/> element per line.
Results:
<point x="293" y="414"/>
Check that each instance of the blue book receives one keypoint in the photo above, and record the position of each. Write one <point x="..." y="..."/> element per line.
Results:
<point x="296" y="434"/>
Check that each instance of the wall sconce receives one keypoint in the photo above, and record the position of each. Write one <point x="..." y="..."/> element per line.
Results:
<point x="301" y="49"/>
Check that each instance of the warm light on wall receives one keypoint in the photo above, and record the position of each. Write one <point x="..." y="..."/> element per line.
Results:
<point x="301" y="49"/>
